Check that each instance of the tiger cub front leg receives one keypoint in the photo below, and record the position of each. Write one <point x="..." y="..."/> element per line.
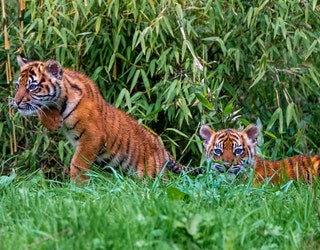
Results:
<point x="50" y="118"/>
<point x="83" y="159"/>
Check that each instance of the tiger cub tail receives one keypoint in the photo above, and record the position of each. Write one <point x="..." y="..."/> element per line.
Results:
<point x="177" y="168"/>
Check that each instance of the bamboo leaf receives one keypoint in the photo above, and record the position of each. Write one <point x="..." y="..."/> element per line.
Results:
<point x="177" y="132"/>
<point x="179" y="11"/>
<point x="135" y="79"/>
<point x="315" y="75"/>
<point x="237" y="58"/>
<point x="219" y="41"/>
<point x="152" y="67"/>
<point x="291" y="113"/>
<point x="146" y="82"/>
<point x="171" y="92"/>
<point x="249" y="17"/>
<point x="258" y="78"/>
<point x="204" y="101"/>
<point x="123" y="94"/>
<point x="98" y="24"/>
<point x="277" y="115"/>
<point x="312" y="48"/>
<point x="289" y="46"/>
<point x="228" y="109"/>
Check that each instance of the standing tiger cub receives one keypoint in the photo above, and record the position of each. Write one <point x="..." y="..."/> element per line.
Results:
<point x="63" y="98"/>
<point x="234" y="151"/>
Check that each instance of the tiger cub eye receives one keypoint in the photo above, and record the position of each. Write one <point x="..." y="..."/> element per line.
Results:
<point x="217" y="151"/>
<point x="238" y="151"/>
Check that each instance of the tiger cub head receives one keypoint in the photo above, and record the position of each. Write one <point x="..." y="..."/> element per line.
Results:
<point x="229" y="150"/>
<point x="37" y="86"/>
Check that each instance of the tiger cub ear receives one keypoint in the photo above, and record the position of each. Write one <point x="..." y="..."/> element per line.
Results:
<point x="252" y="131"/>
<point x="21" y="61"/>
<point x="206" y="134"/>
<point x="54" y="69"/>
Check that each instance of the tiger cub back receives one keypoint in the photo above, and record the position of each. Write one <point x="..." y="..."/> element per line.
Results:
<point x="233" y="151"/>
<point x="63" y="98"/>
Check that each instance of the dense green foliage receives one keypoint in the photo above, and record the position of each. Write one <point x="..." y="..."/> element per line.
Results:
<point x="174" y="65"/>
<point x="121" y="213"/>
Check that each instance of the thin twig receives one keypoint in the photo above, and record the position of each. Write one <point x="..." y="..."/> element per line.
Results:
<point x="196" y="60"/>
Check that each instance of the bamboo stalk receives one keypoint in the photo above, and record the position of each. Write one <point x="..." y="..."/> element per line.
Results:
<point x="21" y="29"/>
<point x="15" y="144"/>
<point x="11" y="144"/>
<point x="3" y="10"/>
<point x="12" y="136"/>
<point x="22" y="7"/>
<point x="21" y="10"/>
<point x="6" y="38"/>
<point x="8" y="71"/>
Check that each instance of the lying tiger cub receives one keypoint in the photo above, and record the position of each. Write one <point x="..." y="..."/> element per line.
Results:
<point x="232" y="151"/>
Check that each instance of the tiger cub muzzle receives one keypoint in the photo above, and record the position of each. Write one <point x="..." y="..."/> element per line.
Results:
<point x="225" y="167"/>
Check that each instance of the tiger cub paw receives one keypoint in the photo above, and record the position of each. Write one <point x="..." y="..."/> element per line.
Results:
<point x="50" y="118"/>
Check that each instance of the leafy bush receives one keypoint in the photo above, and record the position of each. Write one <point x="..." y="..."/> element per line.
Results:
<point x="174" y="65"/>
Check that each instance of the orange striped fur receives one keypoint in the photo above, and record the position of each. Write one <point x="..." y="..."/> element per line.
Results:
<point x="67" y="99"/>
<point x="233" y="151"/>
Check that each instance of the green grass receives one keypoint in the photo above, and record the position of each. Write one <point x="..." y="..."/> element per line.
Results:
<point x="115" y="212"/>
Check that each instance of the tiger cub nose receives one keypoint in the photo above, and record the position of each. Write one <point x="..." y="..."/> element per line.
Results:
<point x="16" y="102"/>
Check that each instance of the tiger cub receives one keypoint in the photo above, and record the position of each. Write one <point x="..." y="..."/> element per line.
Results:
<point x="63" y="98"/>
<point x="234" y="151"/>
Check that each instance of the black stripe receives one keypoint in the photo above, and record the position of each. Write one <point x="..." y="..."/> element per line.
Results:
<point x="101" y="162"/>
<point x="74" y="125"/>
<point x="64" y="105"/>
<point x="172" y="165"/>
<point x="101" y="104"/>
<point x="74" y="108"/>
<point x="78" y="168"/>
<point x="112" y="118"/>
<point x="118" y="148"/>
<point x="80" y="135"/>
<point x="42" y="80"/>
<point x="56" y="91"/>
<point x="76" y="87"/>
<point x="102" y="150"/>
<point x="98" y="97"/>
<point x="47" y="88"/>
<point x="290" y="162"/>
<point x="43" y="96"/>
<point x="221" y="137"/>
<point x="134" y="157"/>
<point x="155" y="162"/>
<point x="317" y="162"/>
<point x="89" y="91"/>
<point x="128" y="149"/>
<point x="73" y="85"/>
<point x="162" y="157"/>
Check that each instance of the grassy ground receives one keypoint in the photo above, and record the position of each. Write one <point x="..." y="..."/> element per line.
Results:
<point x="115" y="212"/>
